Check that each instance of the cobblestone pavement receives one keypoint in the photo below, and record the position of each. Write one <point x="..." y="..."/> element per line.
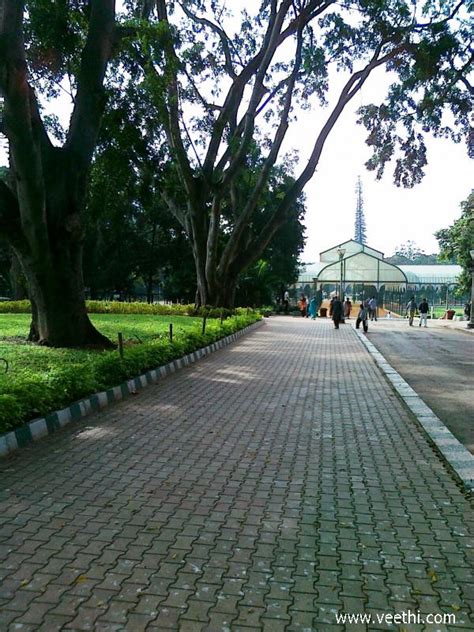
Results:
<point x="271" y="486"/>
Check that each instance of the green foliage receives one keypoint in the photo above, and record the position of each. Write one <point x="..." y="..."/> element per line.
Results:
<point x="10" y="411"/>
<point x="135" y="307"/>
<point x="409" y="253"/>
<point x="457" y="241"/>
<point x="429" y="93"/>
<point x="15" y="307"/>
<point x="52" y="378"/>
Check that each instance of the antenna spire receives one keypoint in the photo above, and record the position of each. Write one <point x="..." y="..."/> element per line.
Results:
<point x="360" y="230"/>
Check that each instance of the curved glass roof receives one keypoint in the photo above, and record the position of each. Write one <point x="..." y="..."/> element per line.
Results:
<point x="362" y="264"/>
<point x="435" y="274"/>
<point x="351" y="247"/>
<point x="362" y="268"/>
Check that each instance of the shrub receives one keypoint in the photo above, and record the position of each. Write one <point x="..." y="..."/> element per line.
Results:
<point x="15" y="307"/>
<point x="29" y="393"/>
<point x="10" y="411"/>
<point x="135" y="307"/>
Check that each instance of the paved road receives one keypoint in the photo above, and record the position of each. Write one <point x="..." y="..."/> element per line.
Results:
<point x="438" y="363"/>
<point x="271" y="486"/>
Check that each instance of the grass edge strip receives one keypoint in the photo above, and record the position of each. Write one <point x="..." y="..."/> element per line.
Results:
<point x="36" y="429"/>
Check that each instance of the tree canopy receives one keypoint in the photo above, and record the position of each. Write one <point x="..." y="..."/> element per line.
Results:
<point x="457" y="241"/>
<point x="410" y="253"/>
<point x="225" y="86"/>
<point x="211" y="92"/>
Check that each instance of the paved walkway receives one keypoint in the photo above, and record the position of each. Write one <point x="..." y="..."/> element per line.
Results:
<point x="269" y="487"/>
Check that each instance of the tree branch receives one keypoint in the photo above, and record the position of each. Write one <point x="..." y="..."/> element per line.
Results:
<point x="351" y="88"/>
<point x="171" y="125"/>
<point x="236" y="91"/>
<point x="419" y="26"/>
<point x="90" y="101"/>
<point x="22" y="123"/>
<point x="268" y="50"/>
<point x="207" y="106"/>
<point x="224" y="38"/>
<point x="255" y="67"/>
<point x="239" y="228"/>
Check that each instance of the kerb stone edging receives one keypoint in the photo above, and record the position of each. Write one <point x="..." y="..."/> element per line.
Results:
<point x="458" y="457"/>
<point x="38" y="428"/>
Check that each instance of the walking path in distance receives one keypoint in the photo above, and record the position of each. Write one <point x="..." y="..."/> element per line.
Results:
<point x="272" y="486"/>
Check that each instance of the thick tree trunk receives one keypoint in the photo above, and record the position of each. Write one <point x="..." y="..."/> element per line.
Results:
<point x="59" y="316"/>
<point x="223" y="296"/>
<point x="17" y="279"/>
<point x="226" y="294"/>
<point x="218" y="294"/>
<point x="202" y="293"/>
<point x="41" y="207"/>
<point x="151" y="267"/>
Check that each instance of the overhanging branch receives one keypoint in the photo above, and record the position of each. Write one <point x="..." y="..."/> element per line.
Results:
<point x="90" y="98"/>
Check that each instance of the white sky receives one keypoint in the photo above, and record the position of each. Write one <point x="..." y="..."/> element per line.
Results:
<point x="393" y="215"/>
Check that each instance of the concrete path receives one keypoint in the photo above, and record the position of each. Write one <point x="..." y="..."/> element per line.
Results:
<point x="438" y="362"/>
<point x="277" y="485"/>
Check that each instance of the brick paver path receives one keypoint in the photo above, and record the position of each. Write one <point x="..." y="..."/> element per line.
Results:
<point x="268" y="487"/>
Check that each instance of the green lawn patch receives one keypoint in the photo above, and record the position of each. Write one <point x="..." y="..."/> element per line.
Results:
<point x="41" y="379"/>
<point x="439" y="312"/>
<point x="133" y="326"/>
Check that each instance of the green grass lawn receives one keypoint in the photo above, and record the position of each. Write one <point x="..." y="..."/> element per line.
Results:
<point x="145" y="326"/>
<point x="42" y="379"/>
<point x="439" y="312"/>
<point x="134" y="327"/>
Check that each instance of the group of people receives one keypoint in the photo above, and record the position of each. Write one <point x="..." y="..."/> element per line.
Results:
<point x="422" y="309"/>
<point x="308" y="309"/>
<point x="339" y="311"/>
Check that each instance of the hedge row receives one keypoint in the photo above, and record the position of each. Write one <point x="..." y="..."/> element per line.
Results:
<point x="33" y="394"/>
<point x="117" y="307"/>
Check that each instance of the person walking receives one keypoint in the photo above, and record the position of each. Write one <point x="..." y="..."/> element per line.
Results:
<point x="337" y="312"/>
<point x="373" y="308"/>
<point x="313" y="307"/>
<point x="286" y="301"/>
<point x="303" y="305"/>
<point x="423" y="308"/>
<point x="411" y="310"/>
<point x="347" y="308"/>
<point x="362" y="317"/>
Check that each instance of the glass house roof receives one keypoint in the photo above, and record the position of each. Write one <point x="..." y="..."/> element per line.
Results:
<point x="350" y="247"/>
<point x="362" y="264"/>
<point x="362" y="267"/>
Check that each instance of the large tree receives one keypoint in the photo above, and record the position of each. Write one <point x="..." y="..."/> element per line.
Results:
<point x="42" y="205"/>
<point x="457" y="241"/>
<point x="223" y="89"/>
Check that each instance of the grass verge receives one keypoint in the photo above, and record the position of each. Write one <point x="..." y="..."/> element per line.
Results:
<point x="41" y="380"/>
